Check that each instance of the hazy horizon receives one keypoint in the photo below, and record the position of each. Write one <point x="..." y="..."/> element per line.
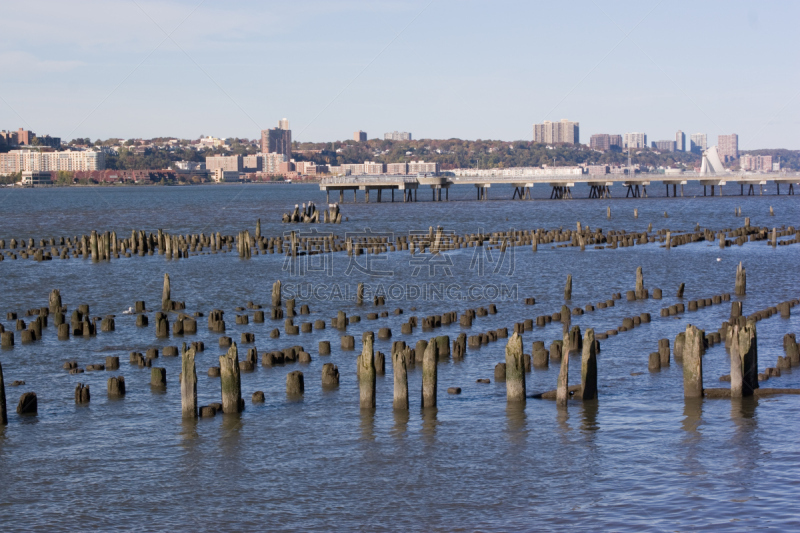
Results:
<point x="438" y="69"/>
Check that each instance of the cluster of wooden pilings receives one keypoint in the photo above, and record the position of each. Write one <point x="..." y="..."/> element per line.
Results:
<point x="103" y="246"/>
<point x="738" y="334"/>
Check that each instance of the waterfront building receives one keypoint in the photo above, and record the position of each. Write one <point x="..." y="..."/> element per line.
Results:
<point x="698" y="143"/>
<point x="634" y="140"/>
<point x="397" y="136"/>
<point x="728" y="147"/>
<point x="277" y="140"/>
<point x="664" y="146"/>
<point x="604" y="141"/>
<point x="756" y="163"/>
<point x="680" y="141"/>
<point x="34" y="160"/>
<point x="232" y="163"/>
<point x="564" y="131"/>
<point x="397" y="169"/>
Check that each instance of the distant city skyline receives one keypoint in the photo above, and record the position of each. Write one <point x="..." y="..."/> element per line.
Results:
<point x="176" y="68"/>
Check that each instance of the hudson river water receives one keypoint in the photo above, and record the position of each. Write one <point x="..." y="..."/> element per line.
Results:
<point x="639" y="459"/>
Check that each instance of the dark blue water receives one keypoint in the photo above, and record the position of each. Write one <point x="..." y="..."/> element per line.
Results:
<point x="641" y="458"/>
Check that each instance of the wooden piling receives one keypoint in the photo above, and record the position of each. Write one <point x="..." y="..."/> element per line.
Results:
<point x="741" y="280"/>
<point x="400" y="371"/>
<point x="429" y="374"/>
<point x="568" y="289"/>
<point x="330" y="375"/>
<point x="188" y="384"/>
<point x="589" y="367"/>
<point x="3" y="412"/>
<point x="230" y="381"/>
<point x="748" y="354"/>
<point x="562" y="391"/>
<point x="515" y="370"/>
<point x="693" y="362"/>
<point x="366" y="373"/>
<point x="166" y="301"/>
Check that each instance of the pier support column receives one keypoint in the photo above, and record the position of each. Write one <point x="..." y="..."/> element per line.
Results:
<point x="341" y="196"/>
<point x="366" y="196"/>
<point x="327" y="196"/>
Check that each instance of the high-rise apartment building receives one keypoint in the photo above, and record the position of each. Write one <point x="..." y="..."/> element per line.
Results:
<point x="563" y="131"/>
<point x="756" y="163"/>
<point x="680" y="141"/>
<point x="728" y="147"/>
<point x="277" y="140"/>
<point x="664" y="146"/>
<point x="229" y="163"/>
<point x="634" y="140"/>
<point x="604" y="141"/>
<point x="360" y="136"/>
<point x="35" y="161"/>
<point x="397" y="136"/>
<point x="698" y="143"/>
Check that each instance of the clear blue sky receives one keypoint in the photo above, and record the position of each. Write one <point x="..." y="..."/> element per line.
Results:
<point x="469" y="69"/>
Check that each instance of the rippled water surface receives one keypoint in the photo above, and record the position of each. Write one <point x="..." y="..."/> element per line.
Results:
<point x="639" y="459"/>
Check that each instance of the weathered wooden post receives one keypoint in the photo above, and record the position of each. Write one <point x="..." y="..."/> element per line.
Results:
<point x="562" y="391"/>
<point x="515" y="370"/>
<point x="116" y="387"/>
<point x="589" y="367"/>
<point x="188" y="384"/>
<point x="230" y="381"/>
<point x="330" y="375"/>
<point x="568" y="289"/>
<point x="82" y="394"/>
<point x="158" y="377"/>
<point x="429" y="374"/>
<point x="366" y="373"/>
<point x="360" y="294"/>
<point x="295" y="385"/>
<point x="748" y="359"/>
<point x="400" y="371"/>
<point x="55" y="301"/>
<point x="741" y="280"/>
<point x="93" y="244"/>
<point x="28" y="404"/>
<point x="680" y="290"/>
<point x="166" y="301"/>
<point x="693" y="362"/>
<point x="663" y="352"/>
<point x="3" y="412"/>
<point x="640" y="295"/>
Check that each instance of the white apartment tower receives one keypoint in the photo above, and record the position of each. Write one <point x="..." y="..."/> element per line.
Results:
<point x="634" y="140"/>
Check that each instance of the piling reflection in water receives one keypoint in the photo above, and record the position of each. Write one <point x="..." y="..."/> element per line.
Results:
<point x="516" y="422"/>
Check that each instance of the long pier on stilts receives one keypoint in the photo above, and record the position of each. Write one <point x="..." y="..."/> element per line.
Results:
<point x="750" y="184"/>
